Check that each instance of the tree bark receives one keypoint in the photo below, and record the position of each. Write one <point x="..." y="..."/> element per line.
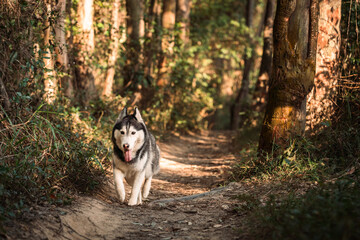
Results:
<point x="60" y="36"/>
<point x="183" y="20"/>
<point x="114" y="45"/>
<point x="84" y="43"/>
<point x="245" y="81"/>
<point x="321" y="100"/>
<point x="167" y="42"/>
<point x="262" y="83"/>
<point x="133" y="50"/>
<point x="50" y="83"/>
<point x="292" y="78"/>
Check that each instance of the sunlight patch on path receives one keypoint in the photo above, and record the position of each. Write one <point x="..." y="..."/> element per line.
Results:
<point x="184" y="170"/>
<point x="173" y="165"/>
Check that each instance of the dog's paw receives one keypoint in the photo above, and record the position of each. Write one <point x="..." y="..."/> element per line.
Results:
<point x="121" y="197"/>
<point x="145" y="194"/>
<point x="132" y="203"/>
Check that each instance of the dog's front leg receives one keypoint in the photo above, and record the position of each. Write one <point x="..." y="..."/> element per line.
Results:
<point x="136" y="189"/>
<point x="119" y="184"/>
<point x="147" y="186"/>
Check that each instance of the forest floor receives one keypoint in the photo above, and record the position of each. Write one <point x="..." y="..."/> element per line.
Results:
<point x="190" y="166"/>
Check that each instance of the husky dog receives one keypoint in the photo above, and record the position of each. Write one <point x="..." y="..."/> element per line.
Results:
<point x="135" y="158"/>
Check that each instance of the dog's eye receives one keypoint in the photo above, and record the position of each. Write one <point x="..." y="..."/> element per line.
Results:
<point x="133" y="133"/>
<point x="122" y="132"/>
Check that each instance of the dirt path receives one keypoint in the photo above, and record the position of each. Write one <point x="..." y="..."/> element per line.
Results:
<point x="190" y="165"/>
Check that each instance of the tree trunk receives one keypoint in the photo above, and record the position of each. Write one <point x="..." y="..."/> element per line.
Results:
<point x="262" y="82"/>
<point x="50" y="84"/>
<point x="167" y="42"/>
<point x="152" y="39"/>
<point x="61" y="51"/>
<point x="115" y="37"/>
<point x="133" y="50"/>
<point x="320" y="102"/>
<point x="183" y="19"/>
<point x="60" y="36"/>
<point x="245" y="81"/>
<point x="84" y="43"/>
<point x="292" y="78"/>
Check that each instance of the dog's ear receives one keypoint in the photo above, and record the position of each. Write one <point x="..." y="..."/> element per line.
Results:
<point x="138" y="115"/>
<point x="121" y="115"/>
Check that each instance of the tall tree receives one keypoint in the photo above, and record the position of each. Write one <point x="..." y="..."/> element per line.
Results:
<point x="321" y="100"/>
<point x="292" y="78"/>
<point x="50" y="83"/>
<point x="114" y="46"/>
<point x="61" y="50"/>
<point x="152" y="43"/>
<point x="262" y="82"/>
<point x="60" y="35"/>
<point x="84" y="44"/>
<point x="133" y="49"/>
<point x="167" y="41"/>
<point x="245" y="81"/>
<point x="183" y="19"/>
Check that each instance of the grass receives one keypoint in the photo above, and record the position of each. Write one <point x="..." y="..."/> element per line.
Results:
<point x="297" y="161"/>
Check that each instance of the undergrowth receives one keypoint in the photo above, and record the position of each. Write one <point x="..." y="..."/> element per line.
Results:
<point x="47" y="154"/>
<point x="331" y="211"/>
<point x="329" y="161"/>
<point x="298" y="160"/>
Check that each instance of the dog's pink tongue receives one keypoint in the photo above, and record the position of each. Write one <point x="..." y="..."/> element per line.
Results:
<point x="127" y="156"/>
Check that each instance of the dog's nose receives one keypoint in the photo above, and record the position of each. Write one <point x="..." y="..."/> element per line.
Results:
<point x="126" y="146"/>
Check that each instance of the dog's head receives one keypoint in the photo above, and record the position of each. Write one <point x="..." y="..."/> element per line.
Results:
<point x="129" y="133"/>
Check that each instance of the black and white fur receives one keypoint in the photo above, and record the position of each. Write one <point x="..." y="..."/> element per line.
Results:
<point x="130" y="136"/>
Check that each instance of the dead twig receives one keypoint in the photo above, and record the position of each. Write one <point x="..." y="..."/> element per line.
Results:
<point x="4" y="95"/>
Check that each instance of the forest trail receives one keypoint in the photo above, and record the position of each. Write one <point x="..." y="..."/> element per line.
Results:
<point x="191" y="164"/>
